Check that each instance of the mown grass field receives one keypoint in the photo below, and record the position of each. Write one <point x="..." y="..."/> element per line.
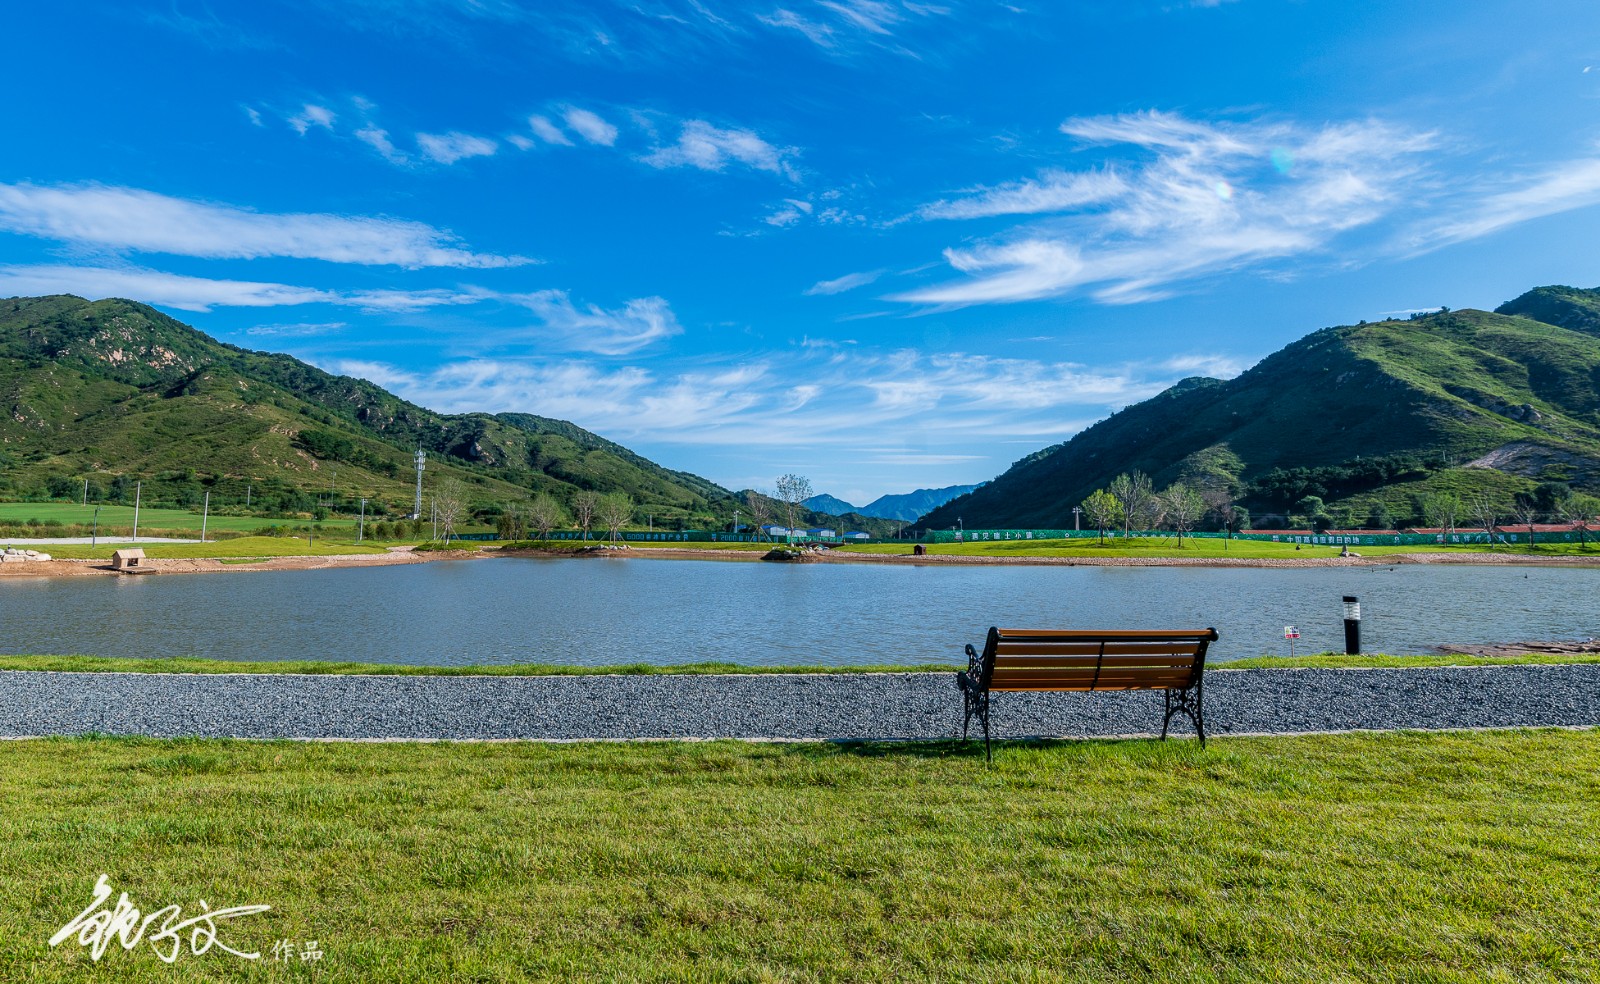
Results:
<point x="1459" y="857"/>
<point x="1383" y="661"/>
<point x="1159" y="547"/>
<point x="189" y="664"/>
<point x="241" y="547"/>
<point x="149" y="518"/>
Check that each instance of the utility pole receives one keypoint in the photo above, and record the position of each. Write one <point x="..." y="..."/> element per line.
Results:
<point x="94" y="535"/>
<point x="85" y="492"/>
<point x="248" y="486"/>
<point x="361" y="528"/>
<point x="416" y="511"/>
<point x="1075" y="511"/>
<point x="205" y="515"/>
<point x="434" y="503"/>
<point x="138" y="491"/>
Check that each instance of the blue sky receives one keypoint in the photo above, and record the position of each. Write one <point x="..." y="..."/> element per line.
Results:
<point x="883" y="244"/>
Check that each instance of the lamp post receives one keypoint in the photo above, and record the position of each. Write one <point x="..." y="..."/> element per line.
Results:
<point x="1076" y="510"/>
<point x="1352" y="625"/>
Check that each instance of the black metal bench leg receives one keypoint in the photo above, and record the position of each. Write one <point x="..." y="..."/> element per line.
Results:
<point x="1190" y="707"/>
<point x="983" y="712"/>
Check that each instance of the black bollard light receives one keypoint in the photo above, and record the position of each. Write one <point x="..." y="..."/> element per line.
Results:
<point x="1352" y="626"/>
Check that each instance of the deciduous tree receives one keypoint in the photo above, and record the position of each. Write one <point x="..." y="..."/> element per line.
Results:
<point x="1184" y="507"/>
<point x="793" y="490"/>
<point x="545" y="514"/>
<point x="615" y="511"/>
<point x="1103" y="510"/>
<point x="584" y="505"/>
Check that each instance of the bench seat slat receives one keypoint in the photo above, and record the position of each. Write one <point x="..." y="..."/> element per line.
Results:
<point x="1164" y="679"/>
<point x="1106" y="672"/>
<point x="1184" y="659"/>
<point x="1117" y="634"/>
<point x="1080" y="686"/>
<point x="1008" y="648"/>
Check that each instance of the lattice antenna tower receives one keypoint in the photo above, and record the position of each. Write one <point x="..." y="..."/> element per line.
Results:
<point x="416" y="510"/>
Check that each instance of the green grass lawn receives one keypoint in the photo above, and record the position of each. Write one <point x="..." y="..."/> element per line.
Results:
<point x="188" y="664"/>
<point x="1156" y="547"/>
<point x="1380" y="660"/>
<point x="1459" y="857"/>
<point x="241" y="547"/>
<point x="149" y="518"/>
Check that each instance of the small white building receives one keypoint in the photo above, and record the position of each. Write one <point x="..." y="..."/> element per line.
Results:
<point x="822" y="533"/>
<point x="857" y="535"/>
<point x="771" y="530"/>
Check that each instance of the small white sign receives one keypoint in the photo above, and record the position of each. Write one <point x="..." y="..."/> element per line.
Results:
<point x="1290" y="632"/>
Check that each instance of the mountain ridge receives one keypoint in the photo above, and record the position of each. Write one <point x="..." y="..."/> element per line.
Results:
<point x="1425" y="397"/>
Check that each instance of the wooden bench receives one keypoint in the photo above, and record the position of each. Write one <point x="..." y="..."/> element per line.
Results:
<point x="1034" y="660"/>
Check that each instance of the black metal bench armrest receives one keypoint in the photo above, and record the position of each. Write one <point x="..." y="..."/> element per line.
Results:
<point x="968" y="678"/>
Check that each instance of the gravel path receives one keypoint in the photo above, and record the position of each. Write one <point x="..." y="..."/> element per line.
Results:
<point x="833" y="706"/>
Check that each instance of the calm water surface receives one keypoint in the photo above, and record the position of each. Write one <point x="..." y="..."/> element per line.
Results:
<point x="656" y="611"/>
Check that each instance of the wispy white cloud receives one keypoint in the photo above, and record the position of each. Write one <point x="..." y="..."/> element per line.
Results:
<point x="591" y="127"/>
<point x="1052" y="191"/>
<point x="838" y="25"/>
<point x="378" y="139"/>
<point x="817" y="33"/>
<point x="299" y="329"/>
<point x="447" y="148"/>
<point x="591" y="328"/>
<point x="548" y="131"/>
<point x="849" y="402"/>
<point x="154" y="287"/>
<point x="712" y="148"/>
<point x="312" y="116"/>
<point x="1199" y="199"/>
<point x="839" y="285"/>
<point x="131" y="219"/>
<point x="1561" y="188"/>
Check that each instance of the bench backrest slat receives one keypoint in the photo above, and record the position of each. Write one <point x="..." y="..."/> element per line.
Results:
<point x="1081" y="660"/>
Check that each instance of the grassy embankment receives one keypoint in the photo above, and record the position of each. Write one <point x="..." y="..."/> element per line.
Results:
<point x="1156" y="547"/>
<point x="1383" y="661"/>
<point x="247" y="547"/>
<point x="150" y="519"/>
<point x="1459" y="857"/>
<point x="188" y="664"/>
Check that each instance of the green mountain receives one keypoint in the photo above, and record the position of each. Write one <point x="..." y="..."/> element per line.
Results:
<point x="1369" y="417"/>
<point x="114" y="390"/>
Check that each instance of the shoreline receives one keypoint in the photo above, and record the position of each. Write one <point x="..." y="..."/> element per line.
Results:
<point x="406" y="555"/>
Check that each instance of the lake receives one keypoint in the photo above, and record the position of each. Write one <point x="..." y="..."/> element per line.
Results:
<point x="607" y="611"/>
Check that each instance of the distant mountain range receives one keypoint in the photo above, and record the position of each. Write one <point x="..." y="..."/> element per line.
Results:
<point x="907" y="507"/>
<point x="1369" y="417"/>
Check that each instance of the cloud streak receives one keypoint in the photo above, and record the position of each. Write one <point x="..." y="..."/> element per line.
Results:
<point x="711" y="148"/>
<point x="560" y="324"/>
<point x="850" y="401"/>
<point x="1561" y="188"/>
<point x="1191" y="199"/>
<point x="134" y="220"/>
